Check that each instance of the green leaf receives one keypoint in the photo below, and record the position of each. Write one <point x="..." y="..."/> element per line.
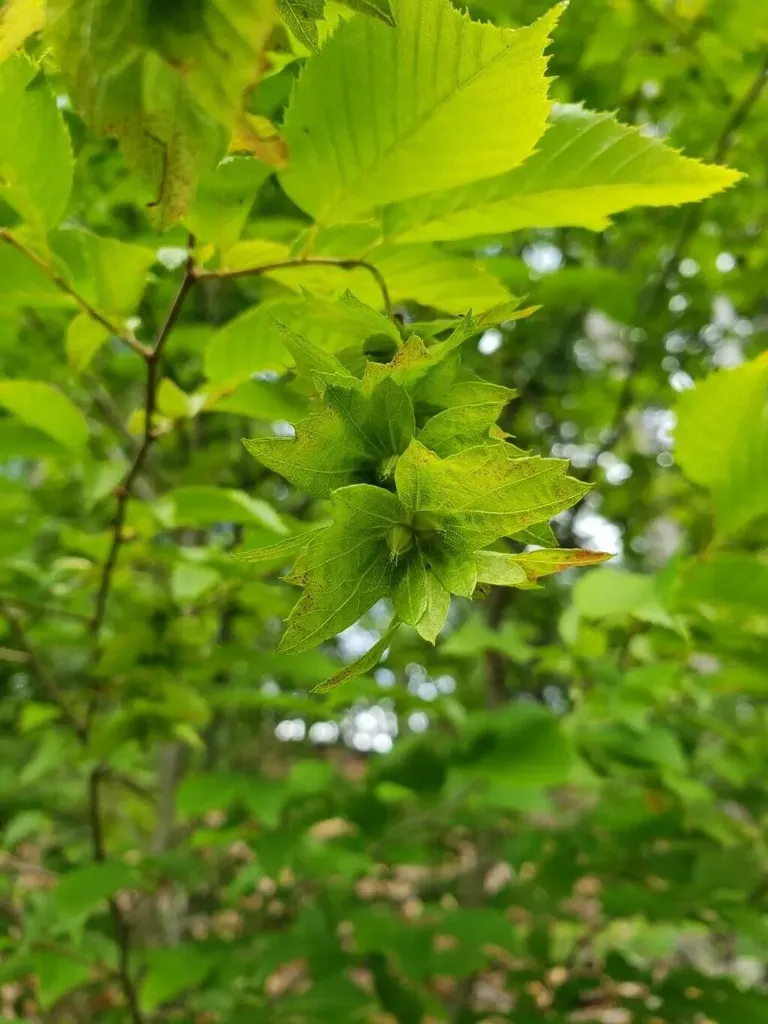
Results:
<point x="736" y="584"/>
<point x="346" y="570"/>
<point x="352" y="438"/>
<point x="520" y="745"/>
<point x="383" y="419"/>
<point x="224" y="199"/>
<point x="57" y="975"/>
<point x="301" y="17"/>
<point x="460" y="427"/>
<point x="380" y="9"/>
<point x="586" y="167"/>
<point x="190" y="581"/>
<point x="436" y="611"/>
<point x="84" y="339"/>
<point x="376" y="110"/>
<point x="487" y="492"/>
<point x="43" y="406"/>
<point x="321" y="457"/>
<point x="219" y="44"/>
<point x="81" y="892"/>
<point x="500" y="569"/>
<point x="35" y="153"/>
<point x="171" y="971"/>
<point x="23" y="284"/>
<point x="721" y="441"/>
<point x="428" y="275"/>
<point x="19" y="19"/>
<point x="411" y="590"/>
<point x="206" y="506"/>
<point x="111" y="274"/>
<point x="283" y="550"/>
<point x="610" y="592"/>
<point x="250" y="343"/>
<point x="260" y="400"/>
<point x="362" y="665"/>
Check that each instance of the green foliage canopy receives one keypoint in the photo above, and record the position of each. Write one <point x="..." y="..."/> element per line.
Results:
<point x="401" y="249"/>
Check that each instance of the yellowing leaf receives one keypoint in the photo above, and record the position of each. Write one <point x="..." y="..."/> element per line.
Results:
<point x="18" y="20"/>
<point x="124" y="90"/>
<point x="218" y="44"/>
<point x="257" y="135"/>
<point x="587" y="167"/>
<point x="41" y="405"/>
<point x="721" y="441"/>
<point x="377" y="110"/>
<point x="550" y="560"/>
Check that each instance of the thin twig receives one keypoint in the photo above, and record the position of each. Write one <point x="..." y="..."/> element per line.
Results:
<point x="119" y="922"/>
<point x="124" y="490"/>
<point x="305" y="261"/>
<point x="63" y="285"/>
<point x="45" y="678"/>
<point x="688" y="231"/>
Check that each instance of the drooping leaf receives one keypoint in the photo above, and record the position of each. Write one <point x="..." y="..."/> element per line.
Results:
<point x="721" y="441"/>
<point x="361" y="665"/>
<point x="411" y="590"/>
<point x="375" y="108"/>
<point x="436" y="611"/>
<point x="43" y="406"/>
<point x="346" y="571"/>
<point x="587" y="167"/>
<point x="35" y="152"/>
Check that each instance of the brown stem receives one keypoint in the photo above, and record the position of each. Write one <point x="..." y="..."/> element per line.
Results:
<point x="125" y="489"/>
<point x="63" y="285"/>
<point x="46" y="679"/>
<point x="306" y="261"/>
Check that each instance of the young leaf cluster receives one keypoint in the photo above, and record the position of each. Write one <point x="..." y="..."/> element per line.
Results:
<point x="423" y="484"/>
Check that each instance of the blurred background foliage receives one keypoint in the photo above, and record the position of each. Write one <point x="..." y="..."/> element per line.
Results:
<point x="557" y="814"/>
